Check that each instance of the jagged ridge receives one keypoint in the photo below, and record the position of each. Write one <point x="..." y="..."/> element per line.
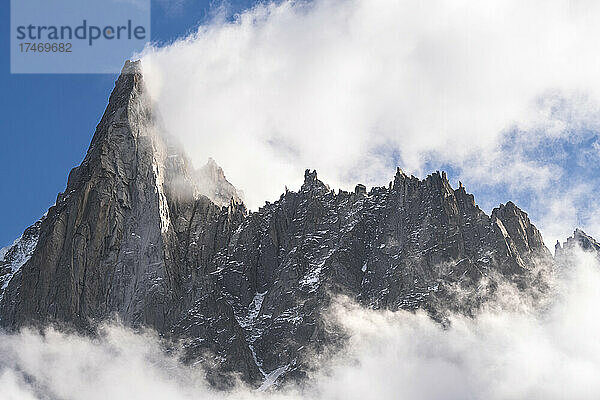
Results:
<point x="135" y="235"/>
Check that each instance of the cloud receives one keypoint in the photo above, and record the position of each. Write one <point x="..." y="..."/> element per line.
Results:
<point x="120" y="364"/>
<point x="511" y="352"/>
<point x="172" y="7"/>
<point x="354" y="88"/>
<point x="508" y="351"/>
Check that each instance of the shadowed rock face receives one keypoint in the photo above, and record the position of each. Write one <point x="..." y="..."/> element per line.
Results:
<point x="136" y="234"/>
<point x="104" y="246"/>
<point x="579" y="240"/>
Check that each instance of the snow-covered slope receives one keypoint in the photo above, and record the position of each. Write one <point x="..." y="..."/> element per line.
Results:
<point x="13" y="257"/>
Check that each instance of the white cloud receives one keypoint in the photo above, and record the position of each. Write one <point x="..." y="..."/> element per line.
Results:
<point x="172" y="7"/>
<point x="503" y="353"/>
<point x="352" y="88"/>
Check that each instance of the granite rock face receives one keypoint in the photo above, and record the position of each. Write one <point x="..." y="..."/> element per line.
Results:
<point x="139" y="234"/>
<point x="579" y="241"/>
<point x="212" y="183"/>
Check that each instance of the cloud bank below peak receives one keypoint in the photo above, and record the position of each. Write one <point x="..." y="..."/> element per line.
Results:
<point x="355" y="88"/>
<point x="510" y="350"/>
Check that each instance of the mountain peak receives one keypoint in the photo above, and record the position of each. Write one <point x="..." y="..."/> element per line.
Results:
<point x="579" y="239"/>
<point x="312" y="183"/>
<point x="564" y="253"/>
<point x="129" y="104"/>
<point x="400" y="172"/>
<point x="213" y="184"/>
<point x="310" y="176"/>
<point x="132" y="67"/>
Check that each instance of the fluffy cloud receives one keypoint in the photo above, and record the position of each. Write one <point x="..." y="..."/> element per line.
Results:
<point x="509" y="352"/>
<point x="353" y="88"/>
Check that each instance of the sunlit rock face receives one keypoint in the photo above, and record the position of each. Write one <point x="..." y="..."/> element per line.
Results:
<point x="142" y="235"/>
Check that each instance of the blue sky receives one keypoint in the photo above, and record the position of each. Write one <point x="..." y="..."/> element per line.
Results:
<point x="48" y="120"/>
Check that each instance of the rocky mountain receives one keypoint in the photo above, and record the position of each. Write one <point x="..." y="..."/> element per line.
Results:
<point x="579" y="240"/>
<point x="212" y="183"/>
<point x="140" y="234"/>
<point x="13" y="257"/>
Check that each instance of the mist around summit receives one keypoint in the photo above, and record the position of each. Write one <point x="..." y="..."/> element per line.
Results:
<point x="503" y="96"/>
